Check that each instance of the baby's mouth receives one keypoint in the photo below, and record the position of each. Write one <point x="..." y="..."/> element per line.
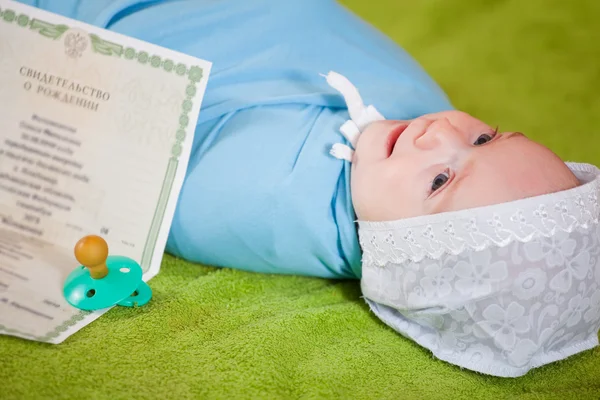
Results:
<point x="393" y="136"/>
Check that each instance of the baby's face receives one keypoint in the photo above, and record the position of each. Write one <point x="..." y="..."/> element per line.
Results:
<point x="447" y="161"/>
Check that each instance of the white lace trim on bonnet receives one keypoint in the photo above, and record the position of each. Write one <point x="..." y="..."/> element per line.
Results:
<point x="433" y="236"/>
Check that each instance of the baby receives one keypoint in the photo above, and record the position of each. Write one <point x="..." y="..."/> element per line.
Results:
<point x="482" y="247"/>
<point x="479" y="245"/>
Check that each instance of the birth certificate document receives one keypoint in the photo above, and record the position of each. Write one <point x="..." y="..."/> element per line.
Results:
<point x="95" y="134"/>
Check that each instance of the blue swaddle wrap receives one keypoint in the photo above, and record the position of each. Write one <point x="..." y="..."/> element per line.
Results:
<point x="262" y="193"/>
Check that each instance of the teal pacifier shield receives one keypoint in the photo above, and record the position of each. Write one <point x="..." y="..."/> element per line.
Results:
<point x="141" y="296"/>
<point x="86" y="293"/>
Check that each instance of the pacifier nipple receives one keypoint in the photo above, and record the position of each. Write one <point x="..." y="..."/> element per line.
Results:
<point x="92" y="252"/>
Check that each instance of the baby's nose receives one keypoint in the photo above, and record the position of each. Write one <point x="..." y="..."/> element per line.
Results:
<point x="441" y="133"/>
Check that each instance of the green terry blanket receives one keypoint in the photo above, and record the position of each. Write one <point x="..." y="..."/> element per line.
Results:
<point x="209" y="333"/>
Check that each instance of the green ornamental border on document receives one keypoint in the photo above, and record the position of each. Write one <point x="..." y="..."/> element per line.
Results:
<point x="194" y="75"/>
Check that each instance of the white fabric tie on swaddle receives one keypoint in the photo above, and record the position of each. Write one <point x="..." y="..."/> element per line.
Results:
<point x="360" y="115"/>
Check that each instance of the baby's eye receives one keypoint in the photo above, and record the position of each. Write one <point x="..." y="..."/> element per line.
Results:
<point x="483" y="139"/>
<point x="439" y="181"/>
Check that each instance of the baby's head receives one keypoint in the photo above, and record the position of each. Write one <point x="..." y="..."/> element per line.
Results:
<point x="447" y="161"/>
<point x="478" y="245"/>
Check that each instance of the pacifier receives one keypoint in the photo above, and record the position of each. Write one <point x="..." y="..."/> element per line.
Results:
<point x="360" y="115"/>
<point x="103" y="281"/>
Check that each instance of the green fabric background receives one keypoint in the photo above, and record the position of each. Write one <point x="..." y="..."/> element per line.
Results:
<point x="527" y="65"/>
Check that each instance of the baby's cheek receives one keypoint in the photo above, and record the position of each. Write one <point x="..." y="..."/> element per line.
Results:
<point x="362" y="192"/>
<point x="372" y="188"/>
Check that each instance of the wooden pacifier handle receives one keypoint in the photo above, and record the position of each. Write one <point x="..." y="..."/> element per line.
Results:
<point x="92" y="252"/>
